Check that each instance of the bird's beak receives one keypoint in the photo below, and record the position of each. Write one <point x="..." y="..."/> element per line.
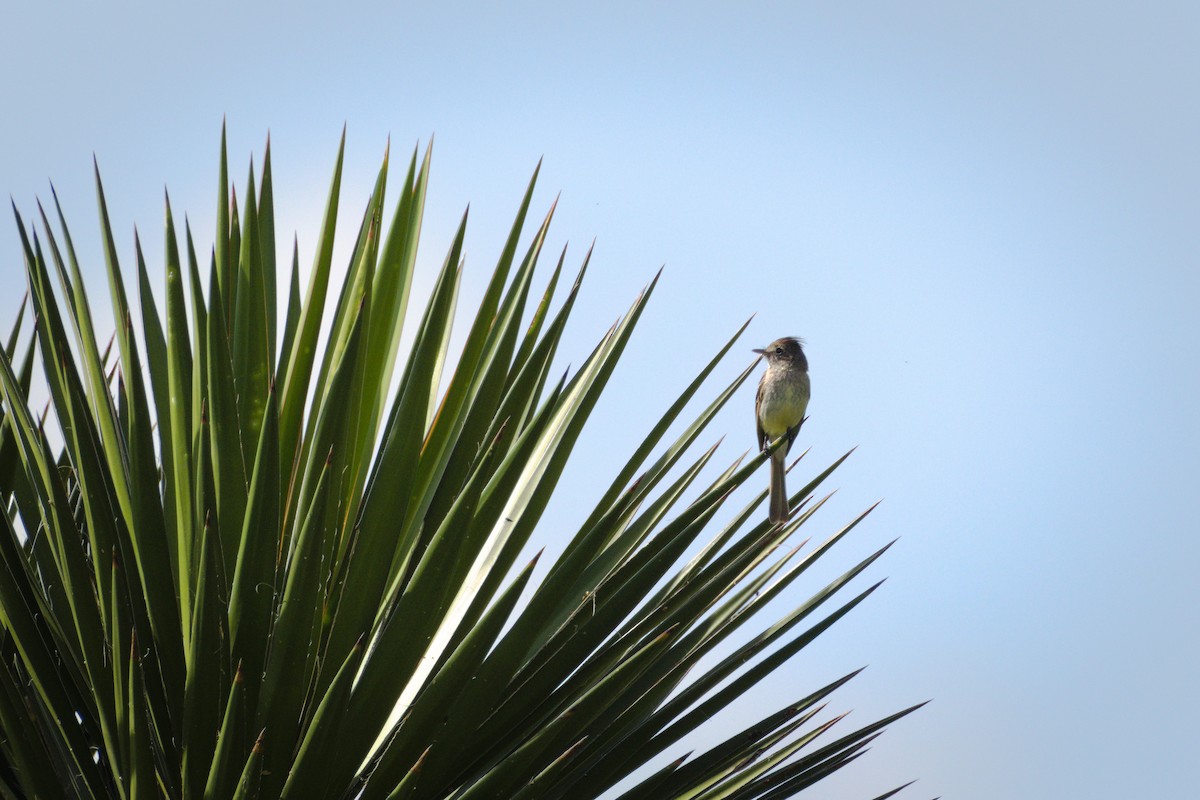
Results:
<point x="758" y="350"/>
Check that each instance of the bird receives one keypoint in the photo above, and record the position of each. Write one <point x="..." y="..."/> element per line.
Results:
<point x="782" y="399"/>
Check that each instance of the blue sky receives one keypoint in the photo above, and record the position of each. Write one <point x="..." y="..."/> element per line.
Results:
<point x="982" y="218"/>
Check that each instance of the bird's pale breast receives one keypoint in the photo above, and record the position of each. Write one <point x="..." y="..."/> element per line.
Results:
<point x="783" y="405"/>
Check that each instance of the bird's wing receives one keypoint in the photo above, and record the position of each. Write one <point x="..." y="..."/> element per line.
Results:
<point x="762" y="435"/>
<point x="792" y="431"/>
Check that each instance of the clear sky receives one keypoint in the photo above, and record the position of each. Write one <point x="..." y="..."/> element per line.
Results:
<point x="983" y="217"/>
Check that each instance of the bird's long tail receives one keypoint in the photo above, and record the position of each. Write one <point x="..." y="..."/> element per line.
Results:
<point x="779" y="496"/>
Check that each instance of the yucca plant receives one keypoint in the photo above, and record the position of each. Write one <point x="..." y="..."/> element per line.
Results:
<point x="243" y="557"/>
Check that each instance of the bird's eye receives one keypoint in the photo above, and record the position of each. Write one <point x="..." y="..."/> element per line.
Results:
<point x="778" y="351"/>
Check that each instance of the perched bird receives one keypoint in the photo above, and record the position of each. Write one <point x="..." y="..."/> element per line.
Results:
<point x="779" y="410"/>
